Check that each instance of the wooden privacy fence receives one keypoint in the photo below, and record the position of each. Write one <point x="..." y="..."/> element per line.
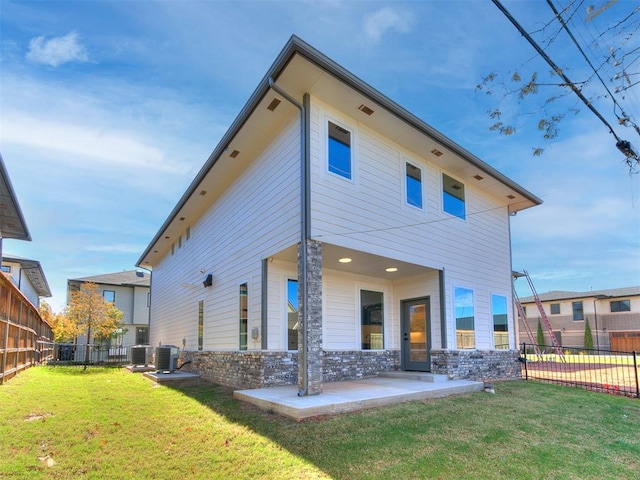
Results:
<point x="25" y="338"/>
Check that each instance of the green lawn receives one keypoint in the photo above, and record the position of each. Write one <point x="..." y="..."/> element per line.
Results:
<point x="114" y="424"/>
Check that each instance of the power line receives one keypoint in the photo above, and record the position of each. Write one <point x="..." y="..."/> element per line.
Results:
<point x="622" y="145"/>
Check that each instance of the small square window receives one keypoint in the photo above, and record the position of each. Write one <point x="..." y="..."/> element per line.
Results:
<point x="109" y="296"/>
<point x="555" y="309"/>
<point x="339" y="156"/>
<point x="453" y="197"/>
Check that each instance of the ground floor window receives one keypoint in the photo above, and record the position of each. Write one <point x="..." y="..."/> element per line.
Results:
<point x="200" y="324"/>
<point x="372" y="320"/>
<point x="465" y="321"/>
<point x="500" y="322"/>
<point x="292" y="314"/>
<point x="243" y="316"/>
<point x="142" y="336"/>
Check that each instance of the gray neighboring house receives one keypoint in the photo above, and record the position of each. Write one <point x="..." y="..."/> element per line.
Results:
<point x="613" y="316"/>
<point x="130" y="292"/>
<point x="28" y="276"/>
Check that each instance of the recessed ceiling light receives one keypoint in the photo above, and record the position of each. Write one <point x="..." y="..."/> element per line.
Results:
<point x="436" y="152"/>
<point x="182" y="219"/>
<point x="478" y="177"/>
<point x="234" y="154"/>
<point x="345" y="260"/>
<point x="391" y="269"/>
<point x="203" y="192"/>
<point x="511" y="197"/>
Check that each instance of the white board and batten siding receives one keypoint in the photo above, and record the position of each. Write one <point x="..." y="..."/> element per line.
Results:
<point x="369" y="213"/>
<point x="257" y="216"/>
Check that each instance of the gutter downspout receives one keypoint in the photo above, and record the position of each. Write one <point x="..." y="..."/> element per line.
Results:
<point x="304" y="202"/>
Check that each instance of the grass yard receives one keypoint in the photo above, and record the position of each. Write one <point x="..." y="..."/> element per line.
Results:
<point x="113" y="424"/>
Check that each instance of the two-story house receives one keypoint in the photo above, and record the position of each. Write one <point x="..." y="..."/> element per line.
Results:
<point x="28" y="276"/>
<point x="333" y="235"/>
<point x="129" y="291"/>
<point x="613" y="316"/>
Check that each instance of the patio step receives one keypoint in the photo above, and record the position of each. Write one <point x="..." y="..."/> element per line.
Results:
<point x="418" y="376"/>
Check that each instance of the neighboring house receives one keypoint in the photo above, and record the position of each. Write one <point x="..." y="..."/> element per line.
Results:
<point x="333" y="235"/>
<point x="130" y="292"/>
<point x="613" y="316"/>
<point x="25" y="338"/>
<point x="28" y="276"/>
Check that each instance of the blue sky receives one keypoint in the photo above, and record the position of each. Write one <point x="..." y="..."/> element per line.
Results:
<point x="109" y="109"/>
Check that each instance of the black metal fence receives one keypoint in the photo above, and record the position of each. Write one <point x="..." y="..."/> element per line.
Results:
<point x="97" y="355"/>
<point x="597" y="370"/>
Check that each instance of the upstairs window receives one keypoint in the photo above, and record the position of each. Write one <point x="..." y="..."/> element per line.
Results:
<point x="109" y="296"/>
<point x="453" y="197"/>
<point x="578" y="312"/>
<point x="555" y="309"/>
<point x="292" y="314"/>
<point x="620" y="306"/>
<point x="413" y="185"/>
<point x="339" y="156"/>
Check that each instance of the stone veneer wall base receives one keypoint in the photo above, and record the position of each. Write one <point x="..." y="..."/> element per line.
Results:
<point x="259" y="369"/>
<point x="480" y="365"/>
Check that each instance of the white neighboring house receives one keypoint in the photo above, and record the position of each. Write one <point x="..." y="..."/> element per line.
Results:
<point x="28" y="276"/>
<point x="130" y="292"/>
<point x="333" y="235"/>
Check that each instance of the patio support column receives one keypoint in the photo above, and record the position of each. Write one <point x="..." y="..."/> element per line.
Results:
<point x="310" y="348"/>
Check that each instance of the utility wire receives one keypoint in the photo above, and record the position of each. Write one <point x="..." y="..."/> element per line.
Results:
<point x="584" y="55"/>
<point x="623" y="145"/>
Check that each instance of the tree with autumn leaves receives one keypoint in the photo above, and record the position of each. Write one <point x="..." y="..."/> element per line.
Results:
<point x="87" y="313"/>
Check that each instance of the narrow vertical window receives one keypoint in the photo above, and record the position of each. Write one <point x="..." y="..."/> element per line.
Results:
<point x="292" y="314"/>
<point x="109" y="296"/>
<point x="188" y="234"/>
<point x="465" y="321"/>
<point x="578" y="312"/>
<point x="200" y="324"/>
<point x="372" y="320"/>
<point x="339" y="150"/>
<point x="453" y="197"/>
<point x="414" y="185"/>
<point x="243" y="316"/>
<point x="500" y="322"/>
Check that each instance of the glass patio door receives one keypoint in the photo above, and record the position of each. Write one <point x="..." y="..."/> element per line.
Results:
<point x="416" y="340"/>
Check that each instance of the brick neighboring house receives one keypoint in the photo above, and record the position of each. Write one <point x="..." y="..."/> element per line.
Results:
<point x="613" y="315"/>
<point x="130" y="292"/>
<point x="333" y="235"/>
<point x="28" y="276"/>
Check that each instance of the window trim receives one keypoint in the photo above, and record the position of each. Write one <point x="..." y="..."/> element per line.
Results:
<point x="240" y="318"/>
<point x="573" y="311"/>
<point x="415" y="165"/>
<point x="352" y="155"/>
<point x="442" y="196"/>
<point x="620" y="302"/>
<point x="114" y="296"/>
<point x="359" y="324"/>
<point x="493" y="321"/>
<point x="288" y="278"/>
<point x="551" y="312"/>
<point x="455" y="318"/>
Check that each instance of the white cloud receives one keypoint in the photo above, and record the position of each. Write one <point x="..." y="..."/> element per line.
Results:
<point x="377" y="24"/>
<point x="56" y="51"/>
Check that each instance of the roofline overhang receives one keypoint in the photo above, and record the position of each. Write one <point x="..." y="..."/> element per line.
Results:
<point x="294" y="46"/>
<point x="4" y="174"/>
<point x="27" y="265"/>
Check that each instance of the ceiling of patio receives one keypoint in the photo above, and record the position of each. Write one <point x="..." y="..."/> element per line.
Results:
<point x="362" y="263"/>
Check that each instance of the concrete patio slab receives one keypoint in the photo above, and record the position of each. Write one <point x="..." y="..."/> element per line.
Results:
<point x="341" y="397"/>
